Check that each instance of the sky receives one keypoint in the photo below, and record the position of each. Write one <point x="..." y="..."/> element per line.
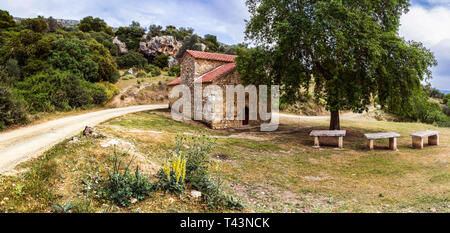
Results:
<point x="428" y="21"/>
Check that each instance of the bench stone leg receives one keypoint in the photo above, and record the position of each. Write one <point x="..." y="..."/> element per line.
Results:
<point x="393" y="144"/>
<point x="341" y="142"/>
<point x="370" y="144"/>
<point x="433" y="140"/>
<point x="316" y="142"/>
<point x="417" y="142"/>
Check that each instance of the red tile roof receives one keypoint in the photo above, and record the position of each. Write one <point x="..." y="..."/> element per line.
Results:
<point x="216" y="73"/>
<point x="175" y="82"/>
<point x="210" y="56"/>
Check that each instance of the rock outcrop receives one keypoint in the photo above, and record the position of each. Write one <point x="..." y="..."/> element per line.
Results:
<point x="159" y="45"/>
<point x="173" y="62"/>
<point x="122" y="46"/>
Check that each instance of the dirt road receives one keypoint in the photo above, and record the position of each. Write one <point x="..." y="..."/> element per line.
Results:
<point x="22" y="144"/>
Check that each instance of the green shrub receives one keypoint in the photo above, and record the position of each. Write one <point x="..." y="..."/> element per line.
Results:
<point x="149" y="68"/>
<point x="174" y="71"/>
<point x="110" y="89"/>
<point x="119" y="187"/>
<point x="141" y="74"/>
<point x="446" y="99"/>
<point x="196" y="151"/>
<point x="156" y="71"/>
<point x="171" y="177"/>
<point x="56" y="90"/>
<point x="131" y="59"/>
<point x="161" y="61"/>
<point x="11" y="109"/>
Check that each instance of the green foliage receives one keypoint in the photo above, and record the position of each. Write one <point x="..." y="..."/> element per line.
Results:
<point x="196" y="151"/>
<point x="154" y="30"/>
<point x="190" y="42"/>
<point x="53" y="25"/>
<point x="110" y="89"/>
<point x="171" y="177"/>
<point x="175" y="71"/>
<point x="212" y="43"/>
<point x="121" y="186"/>
<point x="57" y="90"/>
<point x="179" y="34"/>
<point x="64" y="208"/>
<point x="6" y="20"/>
<point x="349" y="49"/>
<point x="161" y="61"/>
<point x="421" y="109"/>
<point x="156" y="71"/>
<point x="90" y="23"/>
<point x="131" y="59"/>
<point x="446" y="99"/>
<point x="73" y="54"/>
<point x="38" y="25"/>
<point x="11" y="109"/>
<point x="131" y="36"/>
<point x="106" y="40"/>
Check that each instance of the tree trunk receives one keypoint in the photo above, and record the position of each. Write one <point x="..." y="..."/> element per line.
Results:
<point x="334" y="121"/>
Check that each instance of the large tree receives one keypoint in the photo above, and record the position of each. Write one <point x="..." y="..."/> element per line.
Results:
<point x="349" y="49"/>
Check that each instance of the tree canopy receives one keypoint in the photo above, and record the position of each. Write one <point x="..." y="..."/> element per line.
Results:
<point x="349" y="49"/>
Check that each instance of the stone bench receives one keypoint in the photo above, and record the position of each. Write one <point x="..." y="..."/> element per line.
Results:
<point x="374" y="136"/>
<point x="326" y="134"/>
<point x="417" y="138"/>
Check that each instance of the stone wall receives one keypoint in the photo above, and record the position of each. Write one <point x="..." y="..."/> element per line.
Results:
<point x="204" y="66"/>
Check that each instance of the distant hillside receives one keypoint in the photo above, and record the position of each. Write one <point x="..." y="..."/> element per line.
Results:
<point x="445" y="92"/>
<point x="63" y="22"/>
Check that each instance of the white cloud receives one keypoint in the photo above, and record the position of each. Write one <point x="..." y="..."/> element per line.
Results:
<point x="432" y="28"/>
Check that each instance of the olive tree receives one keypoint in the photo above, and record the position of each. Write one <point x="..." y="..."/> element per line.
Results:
<point x="349" y="50"/>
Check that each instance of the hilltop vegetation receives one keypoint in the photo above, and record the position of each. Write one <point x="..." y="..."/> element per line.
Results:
<point x="47" y="65"/>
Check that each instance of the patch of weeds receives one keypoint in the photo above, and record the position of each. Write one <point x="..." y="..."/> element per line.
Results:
<point x="172" y="174"/>
<point x="121" y="186"/>
<point x="64" y="208"/>
<point x="197" y="150"/>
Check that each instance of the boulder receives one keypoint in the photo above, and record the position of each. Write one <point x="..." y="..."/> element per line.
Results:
<point x="172" y="62"/>
<point x="159" y="45"/>
<point x="122" y="46"/>
<point x="195" y="194"/>
<point x="89" y="132"/>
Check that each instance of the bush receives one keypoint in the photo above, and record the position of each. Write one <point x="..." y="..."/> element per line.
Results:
<point x="131" y="59"/>
<point x="446" y="99"/>
<point x="141" y="74"/>
<point x="110" y="89"/>
<point x="174" y="71"/>
<point x="54" y="89"/>
<point x="446" y="109"/>
<point x="119" y="187"/>
<point x="171" y="176"/>
<point x="11" y="109"/>
<point x="161" y="61"/>
<point x="198" y="175"/>
<point x="156" y="71"/>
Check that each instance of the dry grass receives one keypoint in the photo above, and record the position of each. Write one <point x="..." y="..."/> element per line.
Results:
<point x="278" y="172"/>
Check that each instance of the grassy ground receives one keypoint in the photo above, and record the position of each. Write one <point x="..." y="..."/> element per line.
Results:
<point x="269" y="172"/>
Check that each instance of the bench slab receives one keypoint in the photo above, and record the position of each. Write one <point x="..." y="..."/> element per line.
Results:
<point x="418" y="138"/>
<point x="425" y="134"/>
<point x="374" y="136"/>
<point x="328" y="133"/>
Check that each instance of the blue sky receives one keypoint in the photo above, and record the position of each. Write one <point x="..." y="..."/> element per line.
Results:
<point x="428" y="20"/>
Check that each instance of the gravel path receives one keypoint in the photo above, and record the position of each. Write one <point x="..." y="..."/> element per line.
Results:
<point x="29" y="142"/>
